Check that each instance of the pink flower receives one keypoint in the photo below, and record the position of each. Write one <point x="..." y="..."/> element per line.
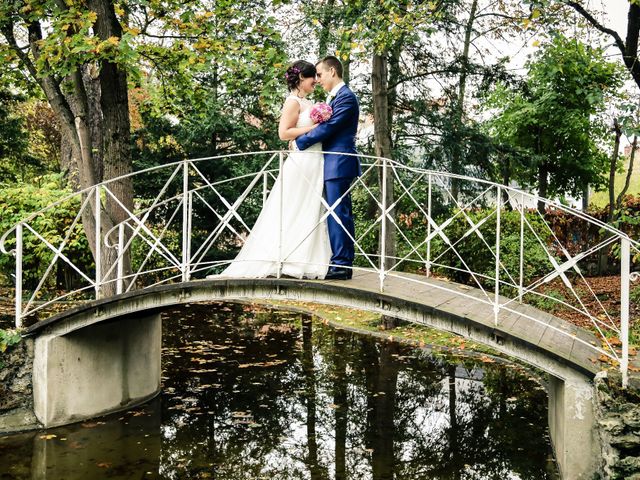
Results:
<point x="320" y="112"/>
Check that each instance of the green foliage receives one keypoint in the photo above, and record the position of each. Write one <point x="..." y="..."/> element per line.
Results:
<point x="551" y="116"/>
<point x="549" y="303"/>
<point x="9" y="338"/>
<point x="634" y="295"/>
<point x="15" y="161"/>
<point x="478" y="253"/>
<point x="22" y="200"/>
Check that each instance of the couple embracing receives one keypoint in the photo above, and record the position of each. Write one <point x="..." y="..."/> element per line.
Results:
<point x="314" y="232"/>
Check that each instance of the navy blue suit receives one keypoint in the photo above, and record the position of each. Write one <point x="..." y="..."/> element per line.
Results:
<point x="338" y="134"/>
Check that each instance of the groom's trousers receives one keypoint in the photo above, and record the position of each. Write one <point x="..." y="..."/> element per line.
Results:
<point x="341" y="242"/>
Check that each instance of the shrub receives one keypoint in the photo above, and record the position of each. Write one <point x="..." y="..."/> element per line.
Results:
<point x="477" y="252"/>
<point x="22" y="200"/>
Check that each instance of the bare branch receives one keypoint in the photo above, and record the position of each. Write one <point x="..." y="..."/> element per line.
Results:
<point x="593" y="21"/>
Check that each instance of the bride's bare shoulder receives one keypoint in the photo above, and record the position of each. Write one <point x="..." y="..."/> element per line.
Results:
<point x="291" y="104"/>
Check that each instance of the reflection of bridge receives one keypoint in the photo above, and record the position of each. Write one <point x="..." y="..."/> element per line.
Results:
<point x="110" y="347"/>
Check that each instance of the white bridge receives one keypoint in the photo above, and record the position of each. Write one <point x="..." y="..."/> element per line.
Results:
<point x="447" y="227"/>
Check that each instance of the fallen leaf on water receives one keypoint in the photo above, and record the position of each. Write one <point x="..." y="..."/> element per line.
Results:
<point x="92" y="424"/>
<point x="104" y="464"/>
<point x="240" y="414"/>
<point x="48" y="437"/>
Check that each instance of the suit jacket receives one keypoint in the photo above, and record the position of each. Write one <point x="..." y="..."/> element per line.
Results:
<point x="338" y="134"/>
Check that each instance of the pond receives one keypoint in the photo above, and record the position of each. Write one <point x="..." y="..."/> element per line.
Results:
<point x="250" y="393"/>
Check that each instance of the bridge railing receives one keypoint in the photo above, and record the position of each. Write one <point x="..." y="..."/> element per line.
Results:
<point x="408" y="219"/>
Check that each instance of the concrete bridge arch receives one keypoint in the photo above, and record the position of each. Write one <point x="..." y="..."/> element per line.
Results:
<point x="104" y="356"/>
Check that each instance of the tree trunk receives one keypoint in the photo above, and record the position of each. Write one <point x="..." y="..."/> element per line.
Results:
<point x="456" y="158"/>
<point x="340" y="398"/>
<point x="383" y="429"/>
<point x="585" y="198"/>
<point x="116" y="148"/>
<point x="627" y="180"/>
<point x="464" y="68"/>
<point x="68" y="162"/>
<point x="454" y="454"/>
<point x="382" y="135"/>
<point x="80" y="108"/>
<point x="315" y="469"/>
<point x="613" y="163"/>
<point x="327" y="25"/>
<point x="543" y="184"/>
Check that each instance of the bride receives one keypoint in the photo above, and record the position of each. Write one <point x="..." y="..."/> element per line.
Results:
<point x="302" y="240"/>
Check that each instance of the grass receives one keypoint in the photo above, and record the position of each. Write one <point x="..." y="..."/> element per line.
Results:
<point x="601" y="199"/>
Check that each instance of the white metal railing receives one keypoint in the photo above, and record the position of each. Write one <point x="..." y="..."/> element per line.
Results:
<point x="182" y="233"/>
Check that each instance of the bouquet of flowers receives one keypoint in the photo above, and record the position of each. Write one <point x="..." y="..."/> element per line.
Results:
<point x="320" y="112"/>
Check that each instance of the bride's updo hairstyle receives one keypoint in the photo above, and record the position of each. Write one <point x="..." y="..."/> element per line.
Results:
<point x="299" y="68"/>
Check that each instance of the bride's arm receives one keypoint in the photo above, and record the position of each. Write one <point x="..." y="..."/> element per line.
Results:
<point x="287" y="129"/>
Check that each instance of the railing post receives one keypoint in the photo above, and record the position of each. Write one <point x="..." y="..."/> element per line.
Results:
<point x="265" y="185"/>
<point x="383" y="233"/>
<point x="625" y="280"/>
<point x="521" y="281"/>
<point x="280" y="226"/>
<point x="185" y="221"/>
<point x="428" y="263"/>
<point x="496" y="301"/>
<point x="98" y="222"/>
<point x="19" y="275"/>
<point x="189" y="234"/>
<point x="119" y="279"/>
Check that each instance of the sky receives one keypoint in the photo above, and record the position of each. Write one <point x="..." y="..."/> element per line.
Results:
<point x="617" y="13"/>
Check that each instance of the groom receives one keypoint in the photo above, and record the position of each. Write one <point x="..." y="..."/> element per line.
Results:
<point x="338" y="134"/>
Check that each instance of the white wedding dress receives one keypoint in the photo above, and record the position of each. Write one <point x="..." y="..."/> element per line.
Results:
<point x="304" y="248"/>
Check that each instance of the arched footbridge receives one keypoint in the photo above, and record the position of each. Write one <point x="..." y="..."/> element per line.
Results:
<point x="469" y="256"/>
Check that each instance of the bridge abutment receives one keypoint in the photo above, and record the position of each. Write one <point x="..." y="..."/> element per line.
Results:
<point x="571" y="426"/>
<point x="95" y="370"/>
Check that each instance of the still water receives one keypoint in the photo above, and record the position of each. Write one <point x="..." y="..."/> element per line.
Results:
<point x="255" y="394"/>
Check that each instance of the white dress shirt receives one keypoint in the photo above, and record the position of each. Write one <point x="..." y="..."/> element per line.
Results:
<point x="334" y="91"/>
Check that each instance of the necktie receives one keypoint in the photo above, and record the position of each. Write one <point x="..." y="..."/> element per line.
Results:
<point x="329" y="98"/>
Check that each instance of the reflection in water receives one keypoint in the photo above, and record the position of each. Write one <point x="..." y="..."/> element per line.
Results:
<point x="261" y="395"/>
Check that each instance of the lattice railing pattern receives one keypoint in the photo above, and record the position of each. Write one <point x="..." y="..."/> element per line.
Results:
<point x="486" y="235"/>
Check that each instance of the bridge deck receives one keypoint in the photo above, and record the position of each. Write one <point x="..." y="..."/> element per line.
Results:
<point x="453" y="299"/>
<point x="451" y="303"/>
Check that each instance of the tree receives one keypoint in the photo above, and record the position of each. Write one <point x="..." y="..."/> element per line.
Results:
<point x="29" y="139"/>
<point x="385" y="29"/>
<point x="13" y="139"/>
<point x="627" y="47"/>
<point x="550" y="116"/>
<point x="625" y="123"/>
<point x="74" y="52"/>
<point x="85" y="54"/>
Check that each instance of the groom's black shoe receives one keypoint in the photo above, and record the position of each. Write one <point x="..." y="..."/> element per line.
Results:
<point x="339" y="273"/>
